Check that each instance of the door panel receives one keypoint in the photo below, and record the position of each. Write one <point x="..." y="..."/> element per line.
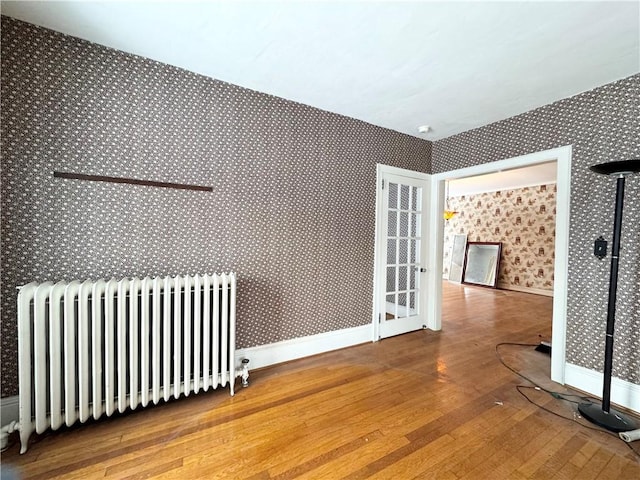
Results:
<point x="401" y="231"/>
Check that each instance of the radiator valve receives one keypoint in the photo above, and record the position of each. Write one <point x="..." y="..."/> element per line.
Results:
<point x="245" y="372"/>
<point x="4" y="434"/>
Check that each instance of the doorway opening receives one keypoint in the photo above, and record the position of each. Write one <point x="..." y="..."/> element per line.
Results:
<point x="515" y="208"/>
<point x="562" y="157"/>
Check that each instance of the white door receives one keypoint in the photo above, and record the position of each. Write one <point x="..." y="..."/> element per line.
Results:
<point x="400" y="296"/>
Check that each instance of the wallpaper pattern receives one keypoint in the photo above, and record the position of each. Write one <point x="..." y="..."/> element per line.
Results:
<point x="294" y="195"/>
<point x="601" y="125"/>
<point x="293" y="206"/>
<point x="523" y="220"/>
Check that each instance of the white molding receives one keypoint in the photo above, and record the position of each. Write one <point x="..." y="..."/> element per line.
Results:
<point x="562" y="156"/>
<point x="516" y="186"/>
<point x="436" y="240"/>
<point x="534" y="291"/>
<point x="435" y="254"/>
<point x="561" y="265"/>
<point x="279" y="352"/>
<point x="382" y="168"/>
<point x="623" y="393"/>
<point x="9" y="410"/>
<point x="378" y="251"/>
<point x="506" y="164"/>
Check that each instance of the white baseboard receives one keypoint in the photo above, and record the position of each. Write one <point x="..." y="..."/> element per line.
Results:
<point x="535" y="291"/>
<point x="9" y="410"/>
<point x="260" y="356"/>
<point x="279" y="352"/>
<point x="623" y="393"/>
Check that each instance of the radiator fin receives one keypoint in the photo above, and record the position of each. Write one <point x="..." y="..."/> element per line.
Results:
<point x="87" y="349"/>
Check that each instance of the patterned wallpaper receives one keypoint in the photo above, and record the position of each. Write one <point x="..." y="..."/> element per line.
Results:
<point x="293" y="206"/>
<point x="602" y="125"/>
<point x="294" y="197"/>
<point x="523" y="220"/>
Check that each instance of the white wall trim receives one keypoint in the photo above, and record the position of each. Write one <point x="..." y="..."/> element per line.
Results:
<point x="9" y="410"/>
<point x="279" y="352"/>
<point x="517" y="186"/>
<point x="562" y="155"/>
<point x="403" y="172"/>
<point x="505" y="164"/>
<point x="435" y="254"/>
<point x="377" y="252"/>
<point x="535" y="291"/>
<point x="623" y="393"/>
<point x="561" y="265"/>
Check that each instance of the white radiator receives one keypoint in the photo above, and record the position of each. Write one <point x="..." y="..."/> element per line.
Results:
<point x="92" y="348"/>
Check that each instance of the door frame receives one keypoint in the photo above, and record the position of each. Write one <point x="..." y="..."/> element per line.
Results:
<point x="380" y="250"/>
<point x="562" y="155"/>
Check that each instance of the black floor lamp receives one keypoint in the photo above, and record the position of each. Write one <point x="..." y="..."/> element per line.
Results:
<point x="603" y="415"/>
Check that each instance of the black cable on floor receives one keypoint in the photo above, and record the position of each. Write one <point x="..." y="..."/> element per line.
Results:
<point x="597" y="429"/>
<point x="556" y="395"/>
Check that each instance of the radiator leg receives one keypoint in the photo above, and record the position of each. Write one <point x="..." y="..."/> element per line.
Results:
<point x="24" y="440"/>
<point x="245" y="372"/>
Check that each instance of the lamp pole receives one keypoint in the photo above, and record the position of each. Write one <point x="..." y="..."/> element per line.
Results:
<point x="603" y="415"/>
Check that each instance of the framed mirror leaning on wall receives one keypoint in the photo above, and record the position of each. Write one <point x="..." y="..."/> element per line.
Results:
<point x="482" y="263"/>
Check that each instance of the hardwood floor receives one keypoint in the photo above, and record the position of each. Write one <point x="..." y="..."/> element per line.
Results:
<point x="428" y="405"/>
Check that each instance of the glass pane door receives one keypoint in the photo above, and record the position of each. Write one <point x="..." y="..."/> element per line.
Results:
<point x="403" y="209"/>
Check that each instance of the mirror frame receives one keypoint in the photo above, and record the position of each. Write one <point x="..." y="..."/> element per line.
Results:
<point x="497" y="248"/>
<point x="457" y="256"/>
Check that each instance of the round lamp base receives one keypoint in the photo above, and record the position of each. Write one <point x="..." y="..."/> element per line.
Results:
<point x="613" y="420"/>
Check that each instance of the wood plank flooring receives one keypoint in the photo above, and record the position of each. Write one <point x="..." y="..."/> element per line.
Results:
<point x="426" y="405"/>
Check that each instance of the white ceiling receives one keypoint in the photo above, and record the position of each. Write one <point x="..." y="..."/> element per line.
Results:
<point x="540" y="174"/>
<point x="451" y="65"/>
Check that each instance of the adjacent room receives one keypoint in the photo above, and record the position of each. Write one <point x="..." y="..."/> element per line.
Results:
<point x="510" y="211"/>
<point x="516" y="208"/>
<point x="320" y="240"/>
